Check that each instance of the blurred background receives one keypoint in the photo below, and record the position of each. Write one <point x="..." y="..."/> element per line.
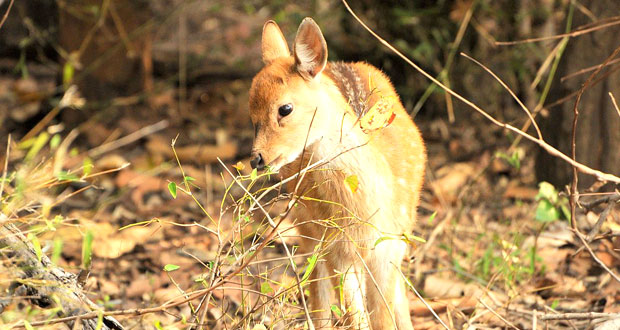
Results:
<point x="115" y="81"/>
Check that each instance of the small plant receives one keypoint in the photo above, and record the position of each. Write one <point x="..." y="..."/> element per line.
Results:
<point x="551" y="206"/>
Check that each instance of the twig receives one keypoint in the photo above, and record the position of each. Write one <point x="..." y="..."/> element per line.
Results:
<point x="374" y="282"/>
<point x="613" y="101"/>
<point x="548" y="148"/>
<point x="602" y="264"/>
<point x="444" y="72"/>
<point x="422" y="299"/>
<point x="580" y="31"/>
<point x="6" y="14"/>
<point x="574" y="194"/>
<point x="514" y="96"/>
<point x="135" y="136"/>
<point x="601" y="219"/>
<point x="286" y="249"/>
<point x="497" y="314"/>
<point x="610" y="198"/>
<point x="567" y="316"/>
<point x="588" y="69"/>
<point x="578" y="316"/>
<point x="6" y="165"/>
<point x="553" y="311"/>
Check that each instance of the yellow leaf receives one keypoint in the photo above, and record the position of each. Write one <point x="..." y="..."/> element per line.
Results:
<point x="239" y="166"/>
<point x="380" y="115"/>
<point x="352" y="182"/>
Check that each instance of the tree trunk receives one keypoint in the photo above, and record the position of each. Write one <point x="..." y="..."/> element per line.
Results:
<point x="598" y="128"/>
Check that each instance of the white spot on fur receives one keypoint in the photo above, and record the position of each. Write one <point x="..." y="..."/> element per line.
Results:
<point x="402" y="181"/>
<point x="403" y="210"/>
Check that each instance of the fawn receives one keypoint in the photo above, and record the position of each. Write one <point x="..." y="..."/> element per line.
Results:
<point x="305" y="109"/>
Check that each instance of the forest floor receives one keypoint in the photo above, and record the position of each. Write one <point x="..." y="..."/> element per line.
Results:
<point x="499" y="252"/>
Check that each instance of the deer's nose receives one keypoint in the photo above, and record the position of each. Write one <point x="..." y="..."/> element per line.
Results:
<point x="258" y="162"/>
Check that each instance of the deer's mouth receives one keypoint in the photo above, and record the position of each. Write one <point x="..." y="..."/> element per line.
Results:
<point x="276" y="164"/>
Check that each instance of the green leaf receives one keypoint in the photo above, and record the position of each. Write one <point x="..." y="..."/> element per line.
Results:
<point x="157" y="325"/>
<point x="55" y="141"/>
<point x="555" y="303"/>
<point x="311" y="264"/>
<point x="265" y="288"/>
<point x="336" y="310"/>
<point x="254" y="174"/>
<point x="512" y="160"/>
<point x="172" y="187"/>
<point x="547" y="190"/>
<point x="411" y="239"/>
<point x="87" y="166"/>
<point x="171" y="267"/>
<point x="352" y="182"/>
<point x="546" y="212"/>
<point x="57" y="250"/>
<point x="99" y="320"/>
<point x="66" y="176"/>
<point x="27" y="325"/>
<point x="189" y="178"/>
<point x="67" y="73"/>
<point x="36" y="245"/>
<point x="50" y="225"/>
<point x="87" y="249"/>
<point x="384" y="238"/>
<point x="431" y="218"/>
<point x="38" y="144"/>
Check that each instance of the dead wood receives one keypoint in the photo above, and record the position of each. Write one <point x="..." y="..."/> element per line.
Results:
<point x="46" y="283"/>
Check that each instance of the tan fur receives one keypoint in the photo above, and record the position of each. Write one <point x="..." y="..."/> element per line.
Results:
<point x="388" y="163"/>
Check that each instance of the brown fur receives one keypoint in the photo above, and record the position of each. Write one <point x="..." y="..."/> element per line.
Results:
<point x="389" y="164"/>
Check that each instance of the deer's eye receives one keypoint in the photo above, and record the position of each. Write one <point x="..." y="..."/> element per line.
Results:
<point x="285" y="110"/>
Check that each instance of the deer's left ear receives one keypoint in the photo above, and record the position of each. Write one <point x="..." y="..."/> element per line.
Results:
<point x="310" y="49"/>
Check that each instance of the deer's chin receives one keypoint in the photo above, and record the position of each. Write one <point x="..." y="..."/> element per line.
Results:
<point x="281" y="161"/>
<point x="276" y="164"/>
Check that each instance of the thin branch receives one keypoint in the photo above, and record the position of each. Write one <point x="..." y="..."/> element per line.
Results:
<point x="613" y="100"/>
<point x="497" y="314"/>
<point x="514" y="96"/>
<point x="578" y="316"/>
<point x="422" y="299"/>
<point x="133" y="137"/>
<point x="602" y="264"/>
<point x="6" y="165"/>
<point x="374" y="282"/>
<point x="612" y="21"/>
<point x="6" y="14"/>
<point x="286" y="249"/>
<point x="586" y="70"/>
<point x="574" y="195"/>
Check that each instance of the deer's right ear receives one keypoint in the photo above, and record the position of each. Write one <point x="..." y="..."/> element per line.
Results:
<point x="273" y="44"/>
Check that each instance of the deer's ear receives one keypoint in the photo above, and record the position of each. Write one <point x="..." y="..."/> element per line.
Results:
<point x="310" y="49"/>
<point x="273" y="43"/>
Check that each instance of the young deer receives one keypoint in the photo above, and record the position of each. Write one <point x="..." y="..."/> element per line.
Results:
<point x="305" y="109"/>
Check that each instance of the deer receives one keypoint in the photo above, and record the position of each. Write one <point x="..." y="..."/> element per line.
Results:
<point x="304" y="109"/>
